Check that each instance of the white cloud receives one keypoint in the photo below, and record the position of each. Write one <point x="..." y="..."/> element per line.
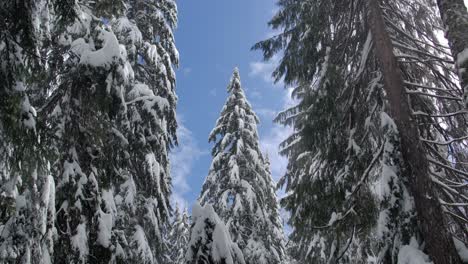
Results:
<point x="270" y="145"/>
<point x="182" y="161"/>
<point x="271" y="141"/>
<point x="264" y="69"/>
<point x="266" y="114"/>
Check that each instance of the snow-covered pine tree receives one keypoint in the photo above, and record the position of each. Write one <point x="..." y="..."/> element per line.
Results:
<point x="178" y="237"/>
<point x="350" y="179"/>
<point x="239" y="185"/>
<point x="210" y="241"/>
<point x="90" y="74"/>
<point x="94" y="110"/>
<point x="148" y="130"/>
<point x="26" y="188"/>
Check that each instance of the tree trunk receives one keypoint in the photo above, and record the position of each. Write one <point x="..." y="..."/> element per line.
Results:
<point x="455" y="18"/>
<point x="439" y="243"/>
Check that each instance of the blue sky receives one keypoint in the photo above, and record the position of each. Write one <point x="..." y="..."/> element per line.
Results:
<point x="213" y="37"/>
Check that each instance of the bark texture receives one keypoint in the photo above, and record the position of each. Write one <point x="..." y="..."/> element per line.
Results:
<point x="433" y="226"/>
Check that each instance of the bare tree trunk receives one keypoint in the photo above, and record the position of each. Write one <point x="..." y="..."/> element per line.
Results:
<point x="455" y="18"/>
<point x="439" y="243"/>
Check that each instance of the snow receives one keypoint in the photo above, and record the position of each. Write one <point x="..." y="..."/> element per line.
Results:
<point x="411" y="254"/>
<point x="19" y="86"/>
<point x="106" y="219"/>
<point x="120" y="136"/>
<point x="462" y="57"/>
<point x="382" y="224"/>
<point x="387" y="121"/>
<point x="141" y="92"/>
<point x="48" y="199"/>
<point x="108" y="198"/>
<point x="238" y="207"/>
<point x="462" y="250"/>
<point x="108" y="55"/>
<point x="131" y="31"/>
<point x="249" y="193"/>
<point x="70" y="169"/>
<point x="105" y="229"/>
<point x="333" y="218"/>
<point x="79" y="241"/>
<point x="151" y="208"/>
<point x="152" y="53"/>
<point x="82" y="24"/>
<point x="20" y="202"/>
<point x="388" y="175"/>
<point x="365" y="54"/>
<point x="143" y="248"/>
<point x="126" y="71"/>
<point x="46" y="259"/>
<point x="222" y="248"/>
<point x="29" y="110"/>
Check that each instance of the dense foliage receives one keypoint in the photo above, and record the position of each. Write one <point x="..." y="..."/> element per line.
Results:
<point x="351" y="187"/>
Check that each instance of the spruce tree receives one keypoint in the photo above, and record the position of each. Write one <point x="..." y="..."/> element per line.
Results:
<point x="239" y="185"/>
<point x="148" y="126"/>
<point x="89" y="118"/>
<point x="210" y="241"/>
<point x="352" y="183"/>
<point x="82" y="111"/>
<point x="178" y="237"/>
<point x="27" y="209"/>
<point x="114" y="116"/>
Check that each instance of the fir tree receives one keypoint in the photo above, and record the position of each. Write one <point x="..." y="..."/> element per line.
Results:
<point x="27" y="209"/>
<point x="178" y="237"/>
<point x="149" y="125"/>
<point x="82" y="112"/>
<point x="239" y="185"/>
<point x="105" y="120"/>
<point x="210" y="241"/>
<point x="350" y="178"/>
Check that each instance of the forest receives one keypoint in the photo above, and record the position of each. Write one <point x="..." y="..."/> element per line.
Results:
<point x="377" y="148"/>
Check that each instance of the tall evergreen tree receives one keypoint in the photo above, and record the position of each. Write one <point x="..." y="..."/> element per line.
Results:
<point x="210" y="241"/>
<point x="351" y="175"/>
<point x="113" y="114"/>
<point x="27" y="209"/>
<point x="178" y="237"/>
<point x="104" y="123"/>
<point x="239" y="185"/>
<point x="149" y="125"/>
<point x="86" y="100"/>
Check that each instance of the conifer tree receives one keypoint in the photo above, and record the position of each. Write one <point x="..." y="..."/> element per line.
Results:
<point x="178" y="238"/>
<point x="239" y="185"/>
<point x="149" y="125"/>
<point x="27" y="209"/>
<point x="101" y="113"/>
<point x="82" y="112"/>
<point x="114" y="115"/>
<point x="352" y="176"/>
<point x="210" y="241"/>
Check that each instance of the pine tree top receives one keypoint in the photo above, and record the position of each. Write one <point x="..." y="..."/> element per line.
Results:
<point x="237" y="120"/>
<point x="239" y="184"/>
